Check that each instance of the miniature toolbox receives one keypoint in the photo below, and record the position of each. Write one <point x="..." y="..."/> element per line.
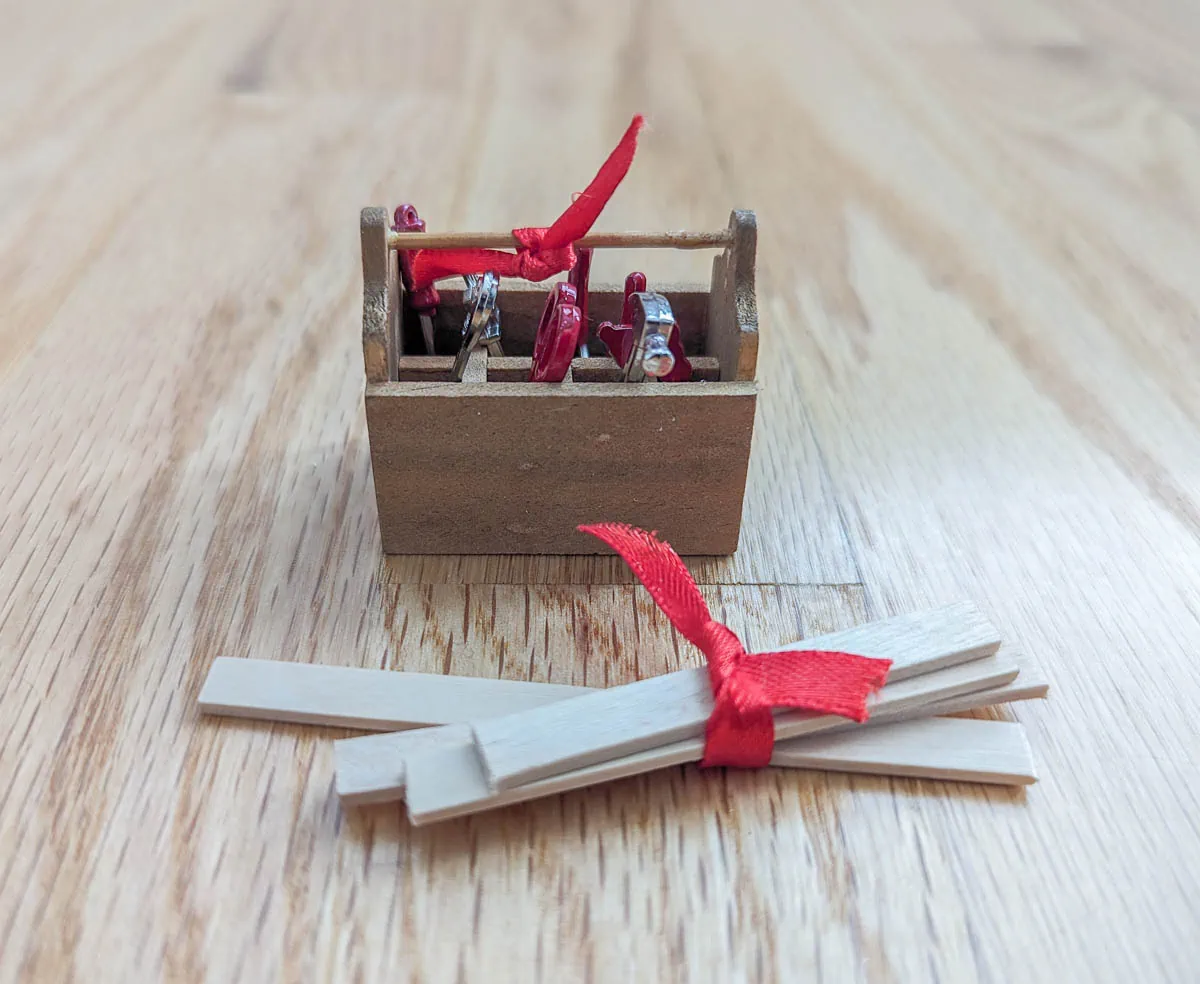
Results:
<point x="499" y="465"/>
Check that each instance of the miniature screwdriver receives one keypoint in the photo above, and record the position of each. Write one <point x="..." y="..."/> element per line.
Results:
<point x="426" y="300"/>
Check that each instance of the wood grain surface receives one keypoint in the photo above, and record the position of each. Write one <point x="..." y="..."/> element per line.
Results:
<point x="978" y="310"/>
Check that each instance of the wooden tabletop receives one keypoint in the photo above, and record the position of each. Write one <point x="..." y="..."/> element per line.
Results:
<point x="977" y="287"/>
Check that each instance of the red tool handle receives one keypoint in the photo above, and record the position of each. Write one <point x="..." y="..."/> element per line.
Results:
<point x="635" y="283"/>
<point x="426" y="299"/>
<point x="682" y="373"/>
<point x="619" y="338"/>
<point x="557" y="336"/>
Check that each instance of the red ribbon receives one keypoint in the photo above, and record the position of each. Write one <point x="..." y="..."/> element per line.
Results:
<point x="746" y="686"/>
<point x="543" y="252"/>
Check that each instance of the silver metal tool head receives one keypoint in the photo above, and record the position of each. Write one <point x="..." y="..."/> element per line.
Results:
<point x="492" y="333"/>
<point x="479" y="299"/>
<point x="653" y="322"/>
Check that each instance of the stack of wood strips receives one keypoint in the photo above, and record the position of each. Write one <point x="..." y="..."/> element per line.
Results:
<point x="461" y="745"/>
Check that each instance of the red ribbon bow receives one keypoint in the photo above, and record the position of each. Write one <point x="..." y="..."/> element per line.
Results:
<point x="746" y="686"/>
<point x="543" y="252"/>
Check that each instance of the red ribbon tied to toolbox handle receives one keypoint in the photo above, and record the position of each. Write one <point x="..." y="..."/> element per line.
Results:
<point x="746" y="686"/>
<point x="542" y="252"/>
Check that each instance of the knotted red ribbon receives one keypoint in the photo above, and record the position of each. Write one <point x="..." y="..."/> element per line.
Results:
<point x="543" y="252"/>
<point x="746" y="686"/>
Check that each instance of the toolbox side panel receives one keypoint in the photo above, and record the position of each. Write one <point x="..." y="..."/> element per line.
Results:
<point x="381" y="294"/>
<point x="732" y="323"/>
<point x="513" y="468"/>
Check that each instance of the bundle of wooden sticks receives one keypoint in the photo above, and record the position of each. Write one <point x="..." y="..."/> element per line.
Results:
<point x="462" y="745"/>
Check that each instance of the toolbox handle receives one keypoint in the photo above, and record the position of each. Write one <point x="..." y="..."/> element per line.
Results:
<point x="600" y="240"/>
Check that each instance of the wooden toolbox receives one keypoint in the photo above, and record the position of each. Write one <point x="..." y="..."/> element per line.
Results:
<point x="498" y="465"/>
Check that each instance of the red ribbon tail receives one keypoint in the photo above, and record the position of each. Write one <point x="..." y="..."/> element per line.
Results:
<point x="544" y="252"/>
<point x="431" y="265"/>
<point x="663" y="574"/>
<point x="819" y="680"/>
<point x="582" y="213"/>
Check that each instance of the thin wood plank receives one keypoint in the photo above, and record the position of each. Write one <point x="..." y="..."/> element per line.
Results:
<point x="382" y="700"/>
<point x="370" y="769"/>
<point x="520" y="748"/>
<point x="947" y="749"/>
<point x="348" y="697"/>
<point x="704" y="369"/>
<point x="434" y="792"/>
<point x="510" y="369"/>
<point x="424" y="368"/>
<point x="1030" y="684"/>
<point x="516" y="368"/>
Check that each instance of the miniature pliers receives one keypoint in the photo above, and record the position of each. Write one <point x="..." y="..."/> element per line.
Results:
<point x="647" y="342"/>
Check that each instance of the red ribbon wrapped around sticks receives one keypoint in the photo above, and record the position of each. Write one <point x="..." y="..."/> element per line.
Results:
<point x="746" y="686"/>
<point x="543" y="252"/>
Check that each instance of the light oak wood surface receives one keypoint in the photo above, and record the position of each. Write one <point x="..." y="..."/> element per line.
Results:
<point x="977" y="254"/>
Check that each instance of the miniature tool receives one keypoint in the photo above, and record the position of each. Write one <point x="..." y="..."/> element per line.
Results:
<point x="491" y="333"/>
<point x="479" y="299"/>
<point x="653" y="323"/>
<point x="647" y="343"/>
<point x="425" y="300"/>
<point x="557" y="335"/>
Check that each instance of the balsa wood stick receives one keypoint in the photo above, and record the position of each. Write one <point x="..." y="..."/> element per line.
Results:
<point x="371" y="769"/>
<point x="443" y="782"/>
<point x="353" y="697"/>
<point x="348" y="697"/>
<point x="1030" y="684"/>
<point x="950" y="749"/>
<point x="391" y="700"/>
<point x="530" y="745"/>
<point x="448" y="781"/>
